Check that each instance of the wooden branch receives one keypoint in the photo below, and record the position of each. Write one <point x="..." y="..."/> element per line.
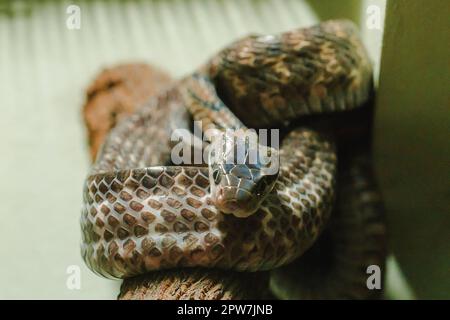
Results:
<point x="196" y="284"/>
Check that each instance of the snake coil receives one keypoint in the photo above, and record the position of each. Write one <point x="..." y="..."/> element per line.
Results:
<point x="141" y="213"/>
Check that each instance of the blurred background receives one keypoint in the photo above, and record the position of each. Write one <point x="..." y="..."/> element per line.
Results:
<point x="47" y="60"/>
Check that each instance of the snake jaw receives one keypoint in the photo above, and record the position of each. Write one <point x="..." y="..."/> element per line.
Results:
<point x="236" y="201"/>
<point x="238" y="194"/>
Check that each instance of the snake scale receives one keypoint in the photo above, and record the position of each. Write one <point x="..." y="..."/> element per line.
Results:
<point x="142" y="213"/>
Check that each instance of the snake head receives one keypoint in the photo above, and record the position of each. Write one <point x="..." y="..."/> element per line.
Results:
<point x="241" y="172"/>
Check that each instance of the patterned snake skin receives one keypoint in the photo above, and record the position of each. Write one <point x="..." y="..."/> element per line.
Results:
<point x="142" y="213"/>
<point x="355" y="238"/>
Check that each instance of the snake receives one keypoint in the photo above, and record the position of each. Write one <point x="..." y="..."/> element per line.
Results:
<point x="143" y="212"/>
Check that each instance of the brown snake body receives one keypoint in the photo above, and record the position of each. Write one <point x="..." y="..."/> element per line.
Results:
<point x="142" y="214"/>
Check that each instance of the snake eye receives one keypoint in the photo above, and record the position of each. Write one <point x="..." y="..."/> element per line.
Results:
<point x="261" y="188"/>
<point x="216" y="176"/>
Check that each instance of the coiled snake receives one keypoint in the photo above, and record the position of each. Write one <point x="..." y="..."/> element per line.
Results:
<point x="143" y="213"/>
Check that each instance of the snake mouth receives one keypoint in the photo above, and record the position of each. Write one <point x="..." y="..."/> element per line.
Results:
<point x="237" y="202"/>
